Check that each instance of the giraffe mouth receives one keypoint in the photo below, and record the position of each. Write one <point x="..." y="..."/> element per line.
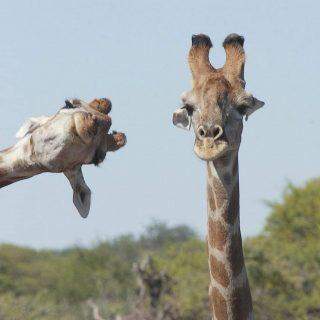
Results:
<point x="209" y="149"/>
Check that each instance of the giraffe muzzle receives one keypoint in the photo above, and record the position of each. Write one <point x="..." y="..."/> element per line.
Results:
<point x="214" y="133"/>
<point x="210" y="148"/>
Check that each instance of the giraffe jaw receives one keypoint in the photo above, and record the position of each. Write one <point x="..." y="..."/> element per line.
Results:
<point x="208" y="149"/>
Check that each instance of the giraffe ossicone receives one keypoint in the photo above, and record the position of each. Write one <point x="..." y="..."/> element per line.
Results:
<point x="76" y="135"/>
<point x="215" y="108"/>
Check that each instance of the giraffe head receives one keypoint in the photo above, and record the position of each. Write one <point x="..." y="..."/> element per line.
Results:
<point x="217" y="102"/>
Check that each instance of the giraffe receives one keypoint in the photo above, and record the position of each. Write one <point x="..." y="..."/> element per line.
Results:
<point x="76" y="135"/>
<point x="215" y="108"/>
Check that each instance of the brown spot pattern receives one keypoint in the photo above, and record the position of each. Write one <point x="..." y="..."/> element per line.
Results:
<point x="241" y="302"/>
<point x="211" y="201"/>
<point x="220" y="305"/>
<point x="217" y="234"/>
<point x="218" y="271"/>
<point x="235" y="255"/>
<point x="220" y="192"/>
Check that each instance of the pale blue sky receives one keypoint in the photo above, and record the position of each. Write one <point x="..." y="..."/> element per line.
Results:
<point x="135" y="52"/>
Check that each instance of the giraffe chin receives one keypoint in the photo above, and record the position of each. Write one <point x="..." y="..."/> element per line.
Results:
<point x="209" y="150"/>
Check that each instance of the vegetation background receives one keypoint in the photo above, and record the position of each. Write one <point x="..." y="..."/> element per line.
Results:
<point x="283" y="264"/>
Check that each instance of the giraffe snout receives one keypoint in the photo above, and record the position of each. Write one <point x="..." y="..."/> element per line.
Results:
<point x="214" y="133"/>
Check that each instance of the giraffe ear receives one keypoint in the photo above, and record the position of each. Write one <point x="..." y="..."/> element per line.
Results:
<point x="81" y="192"/>
<point x="181" y="119"/>
<point x="248" y="105"/>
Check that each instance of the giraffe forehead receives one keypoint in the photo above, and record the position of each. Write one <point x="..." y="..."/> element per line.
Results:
<point x="216" y="89"/>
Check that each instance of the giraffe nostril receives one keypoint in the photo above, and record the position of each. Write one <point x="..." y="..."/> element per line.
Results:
<point x="217" y="132"/>
<point x="201" y="132"/>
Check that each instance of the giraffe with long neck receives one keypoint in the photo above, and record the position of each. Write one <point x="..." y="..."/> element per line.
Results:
<point x="215" y="108"/>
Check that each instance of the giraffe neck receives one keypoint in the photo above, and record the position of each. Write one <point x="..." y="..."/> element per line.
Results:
<point x="16" y="164"/>
<point x="229" y="290"/>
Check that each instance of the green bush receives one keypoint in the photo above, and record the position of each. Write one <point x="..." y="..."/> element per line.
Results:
<point x="283" y="265"/>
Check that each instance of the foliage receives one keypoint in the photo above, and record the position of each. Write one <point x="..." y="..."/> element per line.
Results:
<point x="283" y="264"/>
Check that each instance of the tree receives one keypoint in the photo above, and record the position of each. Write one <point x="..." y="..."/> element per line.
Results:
<point x="284" y="262"/>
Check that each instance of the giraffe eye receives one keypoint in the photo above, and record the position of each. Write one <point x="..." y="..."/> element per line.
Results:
<point x="190" y="109"/>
